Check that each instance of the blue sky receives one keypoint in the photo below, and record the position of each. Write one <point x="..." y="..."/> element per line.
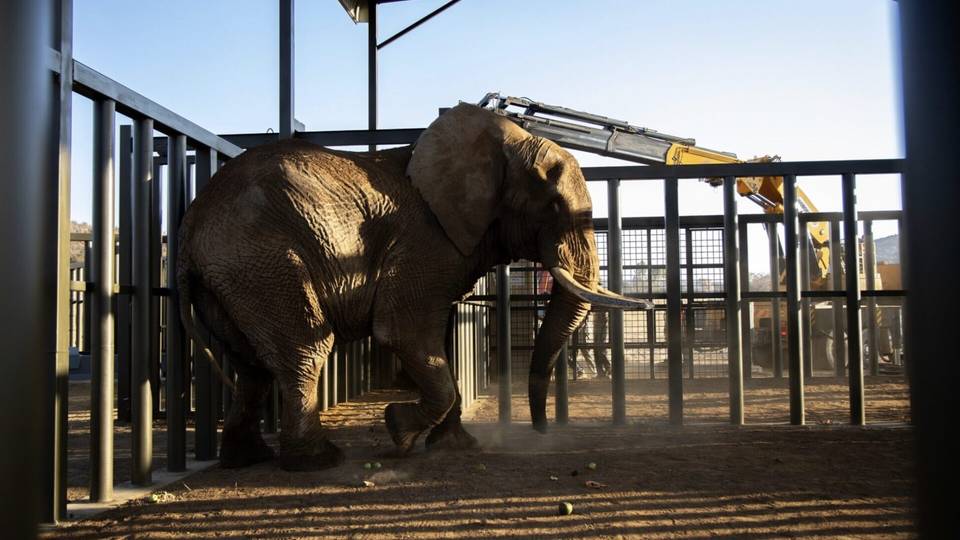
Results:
<point x="804" y="80"/>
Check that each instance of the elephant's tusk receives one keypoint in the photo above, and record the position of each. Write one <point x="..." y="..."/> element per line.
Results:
<point x="602" y="297"/>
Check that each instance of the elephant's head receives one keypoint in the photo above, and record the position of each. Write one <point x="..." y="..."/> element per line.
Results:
<point x="485" y="177"/>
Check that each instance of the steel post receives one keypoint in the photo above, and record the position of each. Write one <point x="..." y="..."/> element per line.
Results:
<point x="124" y="272"/>
<point x="141" y="398"/>
<point x="651" y="316"/>
<point x="870" y="271"/>
<point x="562" y="398"/>
<point x="87" y="297"/>
<point x="773" y="246"/>
<point x="57" y="32"/>
<point x="272" y="409"/>
<point x="504" y="346"/>
<point x="674" y="338"/>
<point x="101" y="331"/>
<point x="805" y="305"/>
<point x="207" y="385"/>
<point x="343" y="372"/>
<point x="851" y="259"/>
<point x="177" y="392"/>
<point x="791" y="235"/>
<point x="931" y="203"/>
<point x="35" y="269"/>
<point x="746" y="321"/>
<point x="836" y="275"/>
<point x="156" y="247"/>
<point x="286" y="69"/>
<point x="731" y="277"/>
<point x="615" y="280"/>
<point x="372" y="68"/>
<point x="689" y="331"/>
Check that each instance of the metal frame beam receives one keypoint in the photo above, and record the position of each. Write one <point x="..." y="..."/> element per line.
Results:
<point x="372" y="7"/>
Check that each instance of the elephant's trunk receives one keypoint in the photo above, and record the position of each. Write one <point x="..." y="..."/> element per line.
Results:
<point x="564" y="315"/>
<point x="573" y="259"/>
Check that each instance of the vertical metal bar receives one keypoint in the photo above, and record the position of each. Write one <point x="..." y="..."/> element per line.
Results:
<point x="615" y="280"/>
<point x="674" y="338"/>
<point x="851" y="259"/>
<point x="34" y="233"/>
<point x="177" y="395"/>
<point x="746" y="320"/>
<point x="101" y="332"/>
<point x="156" y="248"/>
<point x="332" y="379"/>
<point x="286" y="69"/>
<point x="931" y="204"/>
<point x="343" y="395"/>
<point x="791" y="228"/>
<point x="870" y="270"/>
<point x="904" y="271"/>
<point x="731" y="278"/>
<point x="503" y="343"/>
<point x="773" y="245"/>
<point x="651" y="315"/>
<point x="689" y="323"/>
<point x="806" y="315"/>
<point x="87" y="298"/>
<point x="372" y="68"/>
<point x="271" y="408"/>
<point x="562" y="401"/>
<point x="141" y="403"/>
<point x="208" y="387"/>
<point x="836" y="274"/>
<point x="124" y="277"/>
<point x="322" y="387"/>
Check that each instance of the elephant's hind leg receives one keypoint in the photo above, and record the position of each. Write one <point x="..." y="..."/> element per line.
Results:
<point x="279" y="312"/>
<point x="303" y="441"/>
<point x="242" y="443"/>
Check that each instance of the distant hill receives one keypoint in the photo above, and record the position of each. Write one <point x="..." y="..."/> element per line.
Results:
<point x="76" y="248"/>
<point x="888" y="249"/>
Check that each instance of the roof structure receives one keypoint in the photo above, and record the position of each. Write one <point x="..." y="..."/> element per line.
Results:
<point x="359" y="11"/>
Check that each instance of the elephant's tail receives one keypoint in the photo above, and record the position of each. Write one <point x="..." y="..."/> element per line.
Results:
<point x="190" y="323"/>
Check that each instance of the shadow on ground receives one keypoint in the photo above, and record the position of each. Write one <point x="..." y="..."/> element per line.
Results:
<point x="651" y="480"/>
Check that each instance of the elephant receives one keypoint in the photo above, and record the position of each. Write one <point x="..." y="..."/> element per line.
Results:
<point x="292" y="246"/>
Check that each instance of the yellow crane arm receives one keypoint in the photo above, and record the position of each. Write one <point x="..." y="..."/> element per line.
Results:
<point x="766" y="191"/>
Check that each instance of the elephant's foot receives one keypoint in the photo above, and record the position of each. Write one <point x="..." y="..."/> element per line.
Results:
<point x="451" y="436"/>
<point x="325" y="455"/>
<point x="405" y="425"/>
<point x="242" y="450"/>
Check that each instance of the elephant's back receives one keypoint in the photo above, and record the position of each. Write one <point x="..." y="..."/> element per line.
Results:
<point x="339" y="211"/>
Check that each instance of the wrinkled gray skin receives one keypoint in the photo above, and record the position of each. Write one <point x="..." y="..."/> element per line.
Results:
<point x="293" y="245"/>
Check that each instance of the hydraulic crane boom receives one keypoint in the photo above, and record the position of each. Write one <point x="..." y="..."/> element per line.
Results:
<point x="615" y="138"/>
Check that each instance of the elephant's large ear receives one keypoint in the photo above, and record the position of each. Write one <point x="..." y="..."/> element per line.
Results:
<point x="458" y="166"/>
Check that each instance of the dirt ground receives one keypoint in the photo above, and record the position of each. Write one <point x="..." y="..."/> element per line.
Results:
<point x="651" y="480"/>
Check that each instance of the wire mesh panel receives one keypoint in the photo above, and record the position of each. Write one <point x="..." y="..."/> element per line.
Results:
<point x="644" y="271"/>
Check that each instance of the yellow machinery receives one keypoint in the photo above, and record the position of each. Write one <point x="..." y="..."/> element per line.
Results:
<point x="615" y="138"/>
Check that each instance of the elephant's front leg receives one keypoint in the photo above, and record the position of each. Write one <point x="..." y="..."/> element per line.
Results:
<point x="438" y="394"/>
<point x="450" y="434"/>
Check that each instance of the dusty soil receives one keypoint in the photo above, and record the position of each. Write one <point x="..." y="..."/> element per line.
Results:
<point x="653" y="480"/>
